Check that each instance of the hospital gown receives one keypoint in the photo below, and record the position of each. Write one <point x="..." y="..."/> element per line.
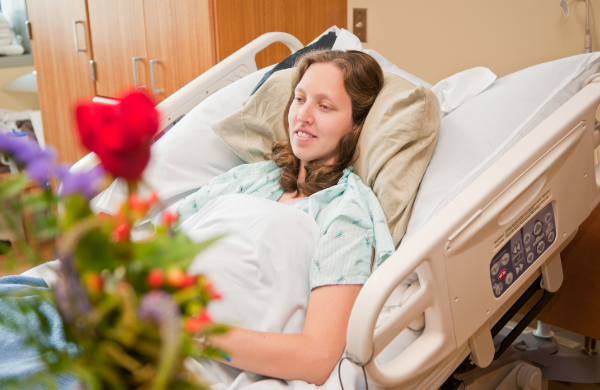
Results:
<point x="350" y="219"/>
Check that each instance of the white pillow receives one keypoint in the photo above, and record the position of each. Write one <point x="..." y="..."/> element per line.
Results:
<point x="480" y="131"/>
<point x="458" y="89"/>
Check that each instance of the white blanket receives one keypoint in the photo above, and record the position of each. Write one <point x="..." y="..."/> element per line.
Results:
<point x="261" y="268"/>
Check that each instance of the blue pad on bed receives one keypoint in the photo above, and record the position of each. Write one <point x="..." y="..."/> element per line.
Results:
<point x="18" y="360"/>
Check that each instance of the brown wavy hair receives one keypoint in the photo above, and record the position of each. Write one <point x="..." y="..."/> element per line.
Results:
<point x="363" y="79"/>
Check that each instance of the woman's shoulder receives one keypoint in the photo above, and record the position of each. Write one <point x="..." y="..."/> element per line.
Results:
<point x="356" y="188"/>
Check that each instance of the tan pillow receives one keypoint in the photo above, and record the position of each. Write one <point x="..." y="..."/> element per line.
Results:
<point x="396" y="142"/>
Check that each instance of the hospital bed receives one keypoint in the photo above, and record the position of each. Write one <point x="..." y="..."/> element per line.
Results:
<point x="528" y="203"/>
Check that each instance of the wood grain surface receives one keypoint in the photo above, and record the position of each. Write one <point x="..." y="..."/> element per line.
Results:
<point x="239" y="22"/>
<point x="118" y="32"/>
<point x="63" y="74"/>
<point x="180" y="35"/>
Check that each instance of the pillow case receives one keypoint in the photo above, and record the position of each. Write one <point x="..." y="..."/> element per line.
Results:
<point x="480" y="131"/>
<point x="458" y="89"/>
<point x="395" y="145"/>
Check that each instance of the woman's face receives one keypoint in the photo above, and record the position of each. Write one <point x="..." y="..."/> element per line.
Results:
<point x="320" y="115"/>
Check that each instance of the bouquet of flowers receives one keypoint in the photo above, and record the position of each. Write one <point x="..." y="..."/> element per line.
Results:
<point x="129" y="311"/>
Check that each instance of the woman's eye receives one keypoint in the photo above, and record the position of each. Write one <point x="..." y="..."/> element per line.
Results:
<point x="298" y="100"/>
<point x="325" y="107"/>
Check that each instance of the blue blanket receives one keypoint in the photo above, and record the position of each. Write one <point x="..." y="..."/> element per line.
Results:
<point x="17" y="359"/>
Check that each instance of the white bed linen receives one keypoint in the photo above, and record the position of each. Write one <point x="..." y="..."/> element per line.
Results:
<point x="480" y="131"/>
<point x="261" y="268"/>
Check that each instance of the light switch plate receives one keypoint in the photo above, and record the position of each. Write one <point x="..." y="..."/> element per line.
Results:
<point x="360" y="23"/>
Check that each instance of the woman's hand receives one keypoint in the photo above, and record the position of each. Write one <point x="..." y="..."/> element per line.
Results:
<point x="311" y="355"/>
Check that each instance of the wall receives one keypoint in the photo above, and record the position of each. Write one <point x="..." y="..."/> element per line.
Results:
<point x="17" y="101"/>
<point x="434" y="39"/>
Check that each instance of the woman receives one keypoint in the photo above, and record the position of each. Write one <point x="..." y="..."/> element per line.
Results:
<point x="332" y="93"/>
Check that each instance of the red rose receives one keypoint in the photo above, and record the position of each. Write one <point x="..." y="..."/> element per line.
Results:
<point x="120" y="134"/>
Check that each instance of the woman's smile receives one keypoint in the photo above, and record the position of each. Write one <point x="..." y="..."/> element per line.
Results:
<point x="304" y="136"/>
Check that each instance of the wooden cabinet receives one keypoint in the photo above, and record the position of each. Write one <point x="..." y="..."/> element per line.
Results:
<point x="240" y="22"/>
<point x="63" y="72"/>
<point x="118" y="32"/>
<point x="181" y="40"/>
<point x="137" y="41"/>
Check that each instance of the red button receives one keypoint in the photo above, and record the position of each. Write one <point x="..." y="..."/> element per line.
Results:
<point x="502" y="274"/>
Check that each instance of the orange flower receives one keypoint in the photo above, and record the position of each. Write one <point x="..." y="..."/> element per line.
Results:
<point x="177" y="278"/>
<point x="121" y="231"/>
<point x="156" y="277"/>
<point x="152" y="199"/>
<point x="94" y="282"/>
<point x="168" y="217"/>
<point x="138" y="204"/>
<point x="197" y="323"/>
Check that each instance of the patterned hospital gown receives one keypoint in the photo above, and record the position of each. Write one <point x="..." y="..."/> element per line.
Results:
<point x="349" y="216"/>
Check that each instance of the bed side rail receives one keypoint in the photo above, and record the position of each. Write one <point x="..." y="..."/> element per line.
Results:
<point x="552" y="169"/>
<point x="232" y="68"/>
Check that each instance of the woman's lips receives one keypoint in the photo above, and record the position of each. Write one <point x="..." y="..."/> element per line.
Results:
<point x="303" y="136"/>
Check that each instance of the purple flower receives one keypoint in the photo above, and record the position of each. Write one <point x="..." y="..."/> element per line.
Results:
<point x="39" y="170"/>
<point x="85" y="183"/>
<point x="39" y="163"/>
<point x="160" y="308"/>
<point x="71" y="297"/>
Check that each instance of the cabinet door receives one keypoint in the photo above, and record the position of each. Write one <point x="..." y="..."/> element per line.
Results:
<point x="181" y="43"/>
<point x="118" y="36"/>
<point x="240" y="22"/>
<point x="63" y="72"/>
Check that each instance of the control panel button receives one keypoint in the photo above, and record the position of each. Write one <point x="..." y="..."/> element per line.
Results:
<point x="495" y="269"/>
<point x="537" y="228"/>
<point x="502" y="274"/>
<point x="527" y="238"/>
<point x="517" y="248"/>
<point x="505" y="259"/>
<point x="519" y="268"/>
<point x="499" y="288"/>
<point x="530" y="258"/>
<point x="548" y="217"/>
<point x="551" y="236"/>
<point x="540" y="247"/>
<point x="518" y="259"/>
<point x="509" y="278"/>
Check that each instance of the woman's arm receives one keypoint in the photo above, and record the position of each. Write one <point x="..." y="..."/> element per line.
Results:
<point x="309" y="356"/>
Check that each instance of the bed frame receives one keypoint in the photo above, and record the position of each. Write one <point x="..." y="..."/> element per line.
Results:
<point x="552" y="168"/>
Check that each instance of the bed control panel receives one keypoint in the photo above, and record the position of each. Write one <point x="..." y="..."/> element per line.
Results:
<point x="522" y="250"/>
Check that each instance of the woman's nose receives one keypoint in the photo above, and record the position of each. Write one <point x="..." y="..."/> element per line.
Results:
<point x="305" y="114"/>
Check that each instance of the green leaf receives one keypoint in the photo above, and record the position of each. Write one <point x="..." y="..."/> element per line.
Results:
<point x="96" y="252"/>
<point x="76" y="209"/>
<point x="12" y="186"/>
<point x="36" y="202"/>
<point x="164" y="252"/>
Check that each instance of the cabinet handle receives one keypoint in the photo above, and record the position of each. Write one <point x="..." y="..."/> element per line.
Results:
<point x="135" y="79"/>
<point x="93" y="69"/>
<point x="75" y="22"/>
<point x="154" y="90"/>
<point x="28" y="29"/>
